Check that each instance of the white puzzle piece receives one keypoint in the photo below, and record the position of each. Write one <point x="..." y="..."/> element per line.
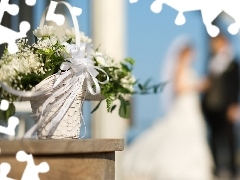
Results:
<point x="4" y="170"/>
<point x="58" y="18"/>
<point x="4" y="105"/>
<point x="210" y="9"/>
<point x="133" y="1"/>
<point x="31" y="171"/>
<point x="30" y="2"/>
<point x="12" y="9"/>
<point x="7" y="35"/>
<point x="10" y="129"/>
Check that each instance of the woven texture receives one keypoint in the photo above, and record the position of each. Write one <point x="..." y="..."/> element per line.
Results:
<point x="69" y="126"/>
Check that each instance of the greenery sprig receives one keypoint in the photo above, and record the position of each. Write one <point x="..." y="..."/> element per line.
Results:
<point x="117" y="89"/>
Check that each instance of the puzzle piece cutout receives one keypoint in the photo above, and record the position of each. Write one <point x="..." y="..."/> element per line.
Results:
<point x="4" y="105"/>
<point x="31" y="171"/>
<point x="210" y="9"/>
<point x="58" y="18"/>
<point x="12" y="9"/>
<point x="4" y="170"/>
<point x="133" y="1"/>
<point x="12" y="121"/>
<point x="7" y="35"/>
<point x="10" y="129"/>
<point x="30" y="2"/>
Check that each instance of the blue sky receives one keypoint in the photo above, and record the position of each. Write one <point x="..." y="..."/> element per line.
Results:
<point x="149" y="36"/>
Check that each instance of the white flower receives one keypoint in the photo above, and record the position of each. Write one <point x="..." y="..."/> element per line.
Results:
<point x="104" y="59"/>
<point x="84" y="38"/>
<point x="100" y="59"/>
<point x="128" y="82"/>
<point x="23" y="62"/>
<point x="70" y="34"/>
<point x="46" y="43"/>
<point x="45" y="31"/>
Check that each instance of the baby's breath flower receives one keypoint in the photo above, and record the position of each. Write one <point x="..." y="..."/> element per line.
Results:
<point x="44" y="32"/>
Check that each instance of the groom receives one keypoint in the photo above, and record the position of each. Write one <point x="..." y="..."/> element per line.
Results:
<point x="222" y="93"/>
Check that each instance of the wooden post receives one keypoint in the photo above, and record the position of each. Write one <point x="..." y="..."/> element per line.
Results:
<point x="109" y="32"/>
<point x="68" y="159"/>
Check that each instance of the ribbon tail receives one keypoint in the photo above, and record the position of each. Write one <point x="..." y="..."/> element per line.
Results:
<point x="107" y="79"/>
<point x="94" y="79"/>
<point x="31" y="131"/>
<point x="21" y="93"/>
<point x="42" y="119"/>
<point x="61" y="78"/>
<point x="63" y="110"/>
<point x="90" y="89"/>
<point x="64" y="90"/>
<point x="46" y="110"/>
<point x="82" y="120"/>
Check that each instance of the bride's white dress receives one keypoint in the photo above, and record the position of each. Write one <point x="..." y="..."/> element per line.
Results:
<point x="175" y="147"/>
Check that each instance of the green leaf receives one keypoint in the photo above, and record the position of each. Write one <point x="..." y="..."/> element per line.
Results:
<point x="109" y="101"/>
<point x="125" y="67"/>
<point x="145" y="85"/>
<point x="163" y="85"/>
<point x="155" y="89"/>
<point x="113" y="107"/>
<point x="130" y="61"/>
<point x="69" y="41"/>
<point x="159" y="87"/>
<point x="96" y="107"/>
<point x="4" y="115"/>
<point x="140" y="86"/>
<point x="124" y="110"/>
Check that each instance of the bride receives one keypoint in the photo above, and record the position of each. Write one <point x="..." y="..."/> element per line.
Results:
<point x="175" y="147"/>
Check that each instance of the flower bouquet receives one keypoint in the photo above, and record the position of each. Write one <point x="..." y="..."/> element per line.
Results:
<point x="49" y="57"/>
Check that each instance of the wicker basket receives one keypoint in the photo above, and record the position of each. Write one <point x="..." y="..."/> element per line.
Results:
<point x="69" y="126"/>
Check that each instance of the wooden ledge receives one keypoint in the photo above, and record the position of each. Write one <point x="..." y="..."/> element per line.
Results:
<point x="61" y="146"/>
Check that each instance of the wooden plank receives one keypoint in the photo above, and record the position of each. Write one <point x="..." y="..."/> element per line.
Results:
<point x="87" y="166"/>
<point x="63" y="146"/>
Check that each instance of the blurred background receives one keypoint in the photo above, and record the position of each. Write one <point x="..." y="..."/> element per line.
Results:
<point x="126" y="30"/>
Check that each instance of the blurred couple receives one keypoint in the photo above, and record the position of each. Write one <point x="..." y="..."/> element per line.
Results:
<point x="176" y="147"/>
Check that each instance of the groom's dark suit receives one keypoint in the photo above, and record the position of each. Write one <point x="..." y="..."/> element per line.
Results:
<point x="223" y="92"/>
